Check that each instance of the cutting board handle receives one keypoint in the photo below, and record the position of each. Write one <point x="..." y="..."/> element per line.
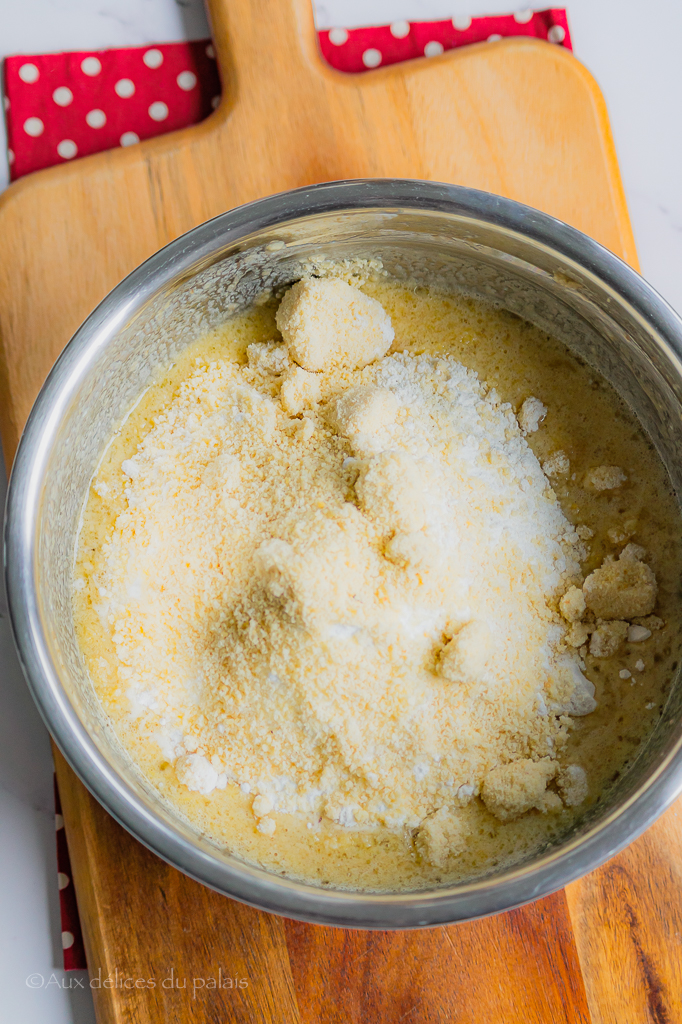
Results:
<point x="265" y="46"/>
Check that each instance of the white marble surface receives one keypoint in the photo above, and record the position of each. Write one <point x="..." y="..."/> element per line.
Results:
<point x="632" y="49"/>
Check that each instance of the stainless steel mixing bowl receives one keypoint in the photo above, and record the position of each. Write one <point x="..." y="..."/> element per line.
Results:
<point x="529" y="263"/>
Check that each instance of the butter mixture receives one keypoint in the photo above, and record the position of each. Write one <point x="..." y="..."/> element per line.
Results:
<point x="341" y="604"/>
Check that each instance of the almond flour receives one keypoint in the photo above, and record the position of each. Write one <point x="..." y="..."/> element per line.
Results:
<point x="336" y="595"/>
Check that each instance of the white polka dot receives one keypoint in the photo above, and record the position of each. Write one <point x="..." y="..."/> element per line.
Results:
<point x="67" y="149"/>
<point x="186" y="80"/>
<point x="462" y="22"/>
<point x="556" y="34"/>
<point x="433" y="49"/>
<point x="34" y="127"/>
<point x="6" y="99"/>
<point x="371" y="58"/>
<point x="62" y="96"/>
<point x="91" y="66"/>
<point x="10" y="156"/>
<point x="338" y="36"/>
<point x="400" y="29"/>
<point x="29" y="73"/>
<point x="158" y="111"/>
<point x="153" y="58"/>
<point x="523" y="17"/>
<point x="125" y="88"/>
<point x="62" y="880"/>
<point x="494" y="38"/>
<point x="129" y="138"/>
<point x="96" y="118"/>
<point x="210" y="52"/>
<point x="67" y="940"/>
<point x="58" y="822"/>
<point x="215" y="102"/>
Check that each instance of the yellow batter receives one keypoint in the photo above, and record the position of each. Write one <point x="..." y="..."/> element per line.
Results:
<point x="592" y="429"/>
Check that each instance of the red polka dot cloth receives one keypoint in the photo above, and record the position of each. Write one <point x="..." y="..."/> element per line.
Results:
<point x="60" y="106"/>
<point x="72" y="938"/>
<point x="65" y="105"/>
<point x="361" y="49"/>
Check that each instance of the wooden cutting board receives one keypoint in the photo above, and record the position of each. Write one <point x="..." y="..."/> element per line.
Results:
<point x="517" y="117"/>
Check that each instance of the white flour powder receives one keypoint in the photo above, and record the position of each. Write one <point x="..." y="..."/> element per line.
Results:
<point x="352" y="612"/>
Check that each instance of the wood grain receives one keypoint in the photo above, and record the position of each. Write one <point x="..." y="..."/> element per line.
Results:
<point x="627" y="918"/>
<point x="517" y="968"/>
<point x="517" y="117"/>
<point x="161" y="947"/>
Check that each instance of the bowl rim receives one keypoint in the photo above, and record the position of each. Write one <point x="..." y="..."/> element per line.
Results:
<point x="238" y="879"/>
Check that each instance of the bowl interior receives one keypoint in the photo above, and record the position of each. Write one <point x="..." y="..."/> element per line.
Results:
<point x="172" y="300"/>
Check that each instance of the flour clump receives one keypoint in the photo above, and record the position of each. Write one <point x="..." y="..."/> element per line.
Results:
<point x="327" y="323"/>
